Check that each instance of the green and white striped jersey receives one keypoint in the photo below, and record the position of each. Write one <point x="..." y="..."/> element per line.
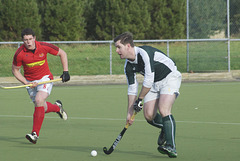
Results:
<point x="152" y="63"/>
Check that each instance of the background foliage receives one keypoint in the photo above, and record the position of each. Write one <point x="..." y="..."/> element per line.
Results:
<point x="207" y="17"/>
<point x="114" y="16"/>
<point x="62" y="20"/>
<point x="67" y="20"/>
<point x="168" y="19"/>
<point x="17" y="15"/>
<point x="235" y="17"/>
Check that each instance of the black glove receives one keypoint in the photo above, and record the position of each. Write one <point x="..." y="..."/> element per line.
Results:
<point x="65" y="76"/>
<point x="137" y="106"/>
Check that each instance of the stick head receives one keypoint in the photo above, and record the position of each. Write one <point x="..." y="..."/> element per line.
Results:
<point x="107" y="151"/>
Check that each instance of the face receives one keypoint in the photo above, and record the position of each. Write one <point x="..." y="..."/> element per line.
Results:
<point x="122" y="50"/>
<point x="29" y="42"/>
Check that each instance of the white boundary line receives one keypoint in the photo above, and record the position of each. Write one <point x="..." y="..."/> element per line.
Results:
<point x="112" y="119"/>
<point x="209" y="83"/>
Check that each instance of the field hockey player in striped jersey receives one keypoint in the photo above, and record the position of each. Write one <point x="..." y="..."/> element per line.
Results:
<point x="159" y="90"/>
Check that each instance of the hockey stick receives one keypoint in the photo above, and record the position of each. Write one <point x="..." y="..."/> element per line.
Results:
<point x="28" y="85"/>
<point x="118" y="138"/>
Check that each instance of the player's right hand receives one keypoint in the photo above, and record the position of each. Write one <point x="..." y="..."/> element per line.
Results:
<point x="65" y="76"/>
<point x="129" y="120"/>
<point x="34" y="84"/>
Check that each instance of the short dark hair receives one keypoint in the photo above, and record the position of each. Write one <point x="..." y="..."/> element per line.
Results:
<point x="27" y="31"/>
<point x="125" y="38"/>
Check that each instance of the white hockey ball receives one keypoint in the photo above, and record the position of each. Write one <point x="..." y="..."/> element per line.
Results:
<point x="94" y="153"/>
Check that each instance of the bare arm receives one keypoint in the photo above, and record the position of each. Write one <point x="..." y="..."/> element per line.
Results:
<point x="131" y="101"/>
<point x="64" y="60"/>
<point x="18" y="75"/>
<point x="130" y="110"/>
<point x="143" y="92"/>
<point x="16" y="72"/>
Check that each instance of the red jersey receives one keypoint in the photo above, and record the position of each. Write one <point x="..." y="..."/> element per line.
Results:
<point x="35" y="64"/>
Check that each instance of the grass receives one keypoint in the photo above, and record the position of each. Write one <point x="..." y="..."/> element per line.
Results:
<point x="92" y="59"/>
<point x="206" y="115"/>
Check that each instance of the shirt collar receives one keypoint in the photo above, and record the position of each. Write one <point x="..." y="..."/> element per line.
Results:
<point x="136" y="53"/>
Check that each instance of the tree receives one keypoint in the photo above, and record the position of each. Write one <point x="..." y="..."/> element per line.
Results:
<point x="206" y="17"/>
<point x="109" y="18"/>
<point x="168" y="19"/>
<point x="62" y="20"/>
<point x="90" y="18"/>
<point x="235" y="17"/>
<point x="17" y="15"/>
<point x="112" y="17"/>
<point x="1" y="21"/>
<point x="140" y="18"/>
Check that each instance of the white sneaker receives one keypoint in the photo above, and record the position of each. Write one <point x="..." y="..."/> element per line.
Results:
<point x="32" y="137"/>
<point x="61" y="113"/>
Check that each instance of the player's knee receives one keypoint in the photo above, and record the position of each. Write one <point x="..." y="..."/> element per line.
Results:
<point x="39" y="102"/>
<point x="148" y="116"/>
<point x="165" y="112"/>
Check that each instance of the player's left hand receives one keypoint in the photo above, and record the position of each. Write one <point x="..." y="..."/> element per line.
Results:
<point x="138" y="105"/>
<point x="65" y="76"/>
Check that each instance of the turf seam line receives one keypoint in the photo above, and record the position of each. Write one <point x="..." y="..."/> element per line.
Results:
<point x="112" y="119"/>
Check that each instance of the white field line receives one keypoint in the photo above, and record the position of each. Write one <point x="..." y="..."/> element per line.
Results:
<point x="210" y="84"/>
<point x="112" y="119"/>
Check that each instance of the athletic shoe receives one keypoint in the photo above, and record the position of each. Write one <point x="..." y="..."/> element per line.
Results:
<point x="161" y="138"/>
<point x="161" y="150"/>
<point x="32" y="137"/>
<point x="169" y="150"/>
<point x="61" y="113"/>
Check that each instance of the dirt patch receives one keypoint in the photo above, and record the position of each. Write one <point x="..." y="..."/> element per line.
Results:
<point x="121" y="79"/>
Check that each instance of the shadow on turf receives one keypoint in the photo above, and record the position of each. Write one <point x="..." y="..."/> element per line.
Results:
<point x="14" y="140"/>
<point x="98" y="149"/>
<point x="144" y="153"/>
<point x="24" y="142"/>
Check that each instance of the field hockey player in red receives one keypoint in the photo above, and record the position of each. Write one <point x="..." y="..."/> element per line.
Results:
<point x="32" y="55"/>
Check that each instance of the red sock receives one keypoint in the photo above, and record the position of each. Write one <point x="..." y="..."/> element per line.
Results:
<point x="38" y="118"/>
<point x="52" y="108"/>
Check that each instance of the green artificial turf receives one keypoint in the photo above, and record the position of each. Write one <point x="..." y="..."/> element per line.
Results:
<point x="206" y="114"/>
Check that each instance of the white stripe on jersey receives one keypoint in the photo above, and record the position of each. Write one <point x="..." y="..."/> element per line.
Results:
<point x="148" y="75"/>
<point x="162" y="58"/>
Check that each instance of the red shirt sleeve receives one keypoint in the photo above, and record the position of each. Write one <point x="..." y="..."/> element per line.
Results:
<point x="17" y="59"/>
<point x="51" y="49"/>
